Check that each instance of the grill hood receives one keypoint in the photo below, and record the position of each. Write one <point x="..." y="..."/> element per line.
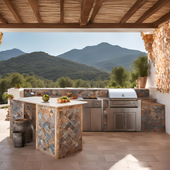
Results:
<point x="122" y="94"/>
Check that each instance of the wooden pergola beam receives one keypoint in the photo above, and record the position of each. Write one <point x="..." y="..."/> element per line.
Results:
<point x="132" y="10"/>
<point x="85" y="11"/>
<point x="61" y="11"/>
<point x="3" y="20"/>
<point x="96" y="10"/>
<point x="158" y="5"/>
<point x="77" y="25"/>
<point x="13" y="11"/>
<point x="164" y="18"/>
<point x="34" y="6"/>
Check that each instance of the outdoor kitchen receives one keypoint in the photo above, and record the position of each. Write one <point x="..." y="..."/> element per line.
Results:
<point x="85" y="126"/>
<point x="102" y="110"/>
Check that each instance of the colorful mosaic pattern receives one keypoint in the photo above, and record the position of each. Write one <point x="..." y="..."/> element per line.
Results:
<point x="105" y="112"/>
<point x="153" y="117"/>
<point x="142" y="92"/>
<point x="46" y="129"/>
<point x="28" y="110"/>
<point x="62" y="92"/>
<point x="70" y="132"/>
<point x="16" y="112"/>
<point x="149" y="101"/>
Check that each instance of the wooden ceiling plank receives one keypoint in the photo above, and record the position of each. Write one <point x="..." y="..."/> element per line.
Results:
<point x="3" y="20"/>
<point x="132" y="10"/>
<point x="85" y="11"/>
<point x="158" y="5"/>
<point x="13" y="11"/>
<point x="96" y="10"/>
<point x="164" y="18"/>
<point x="62" y="11"/>
<point x="77" y="25"/>
<point x="34" y="6"/>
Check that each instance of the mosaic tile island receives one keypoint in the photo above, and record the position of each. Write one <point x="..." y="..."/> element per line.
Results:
<point x="58" y="126"/>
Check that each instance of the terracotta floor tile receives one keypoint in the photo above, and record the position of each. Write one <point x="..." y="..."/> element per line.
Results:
<point x="32" y="165"/>
<point x="107" y="152"/>
<point x="12" y="165"/>
<point x="39" y="158"/>
<point x="92" y="152"/>
<point x="163" y="158"/>
<point x="93" y="158"/>
<point x="110" y="158"/>
<point x="133" y="164"/>
<point x="146" y="158"/>
<point x="89" y="166"/>
<point x="160" y="165"/>
<point x="48" y="165"/>
<point x="113" y="166"/>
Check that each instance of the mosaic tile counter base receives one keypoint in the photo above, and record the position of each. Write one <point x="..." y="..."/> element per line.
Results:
<point x="16" y="112"/>
<point x="153" y="117"/>
<point x="59" y="130"/>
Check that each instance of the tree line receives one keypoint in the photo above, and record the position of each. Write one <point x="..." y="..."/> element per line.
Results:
<point x="119" y="78"/>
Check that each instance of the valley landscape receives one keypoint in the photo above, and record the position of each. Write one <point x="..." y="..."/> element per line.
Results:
<point x="102" y="65"/>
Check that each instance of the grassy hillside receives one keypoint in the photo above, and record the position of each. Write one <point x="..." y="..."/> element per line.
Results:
<point x="50" y="67"/>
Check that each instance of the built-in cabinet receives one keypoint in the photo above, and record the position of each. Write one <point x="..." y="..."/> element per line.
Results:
<point x="92" y="120"/>
<point x="124" y="121"/>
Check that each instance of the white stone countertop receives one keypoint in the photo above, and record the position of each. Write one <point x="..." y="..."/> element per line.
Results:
<point x="52" y="102"/>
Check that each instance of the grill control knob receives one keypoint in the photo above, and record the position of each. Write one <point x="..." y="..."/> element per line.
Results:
<point x="123" y="95"/>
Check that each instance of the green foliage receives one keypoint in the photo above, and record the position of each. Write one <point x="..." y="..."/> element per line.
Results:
<point x="64" y="82"/>
<point x="140" y="66"/>
<point x="118" y="77"/>
<point x="48" y="67"/>
<point x="81" y="83"/>
<point x="5" y="97"/>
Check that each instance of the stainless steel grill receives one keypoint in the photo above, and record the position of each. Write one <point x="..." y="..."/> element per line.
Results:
<point x="124" y="112"/>
<point x="123" y="98"/>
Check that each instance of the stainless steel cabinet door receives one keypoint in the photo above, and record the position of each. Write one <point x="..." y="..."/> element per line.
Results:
<point x="96" y="119"/>
<point x="119" y="121"/>
<point x="87" y="120"/>
<point x="130" y="121"/>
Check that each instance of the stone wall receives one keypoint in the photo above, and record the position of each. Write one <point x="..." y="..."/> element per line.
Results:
<point x="158" y="47"/>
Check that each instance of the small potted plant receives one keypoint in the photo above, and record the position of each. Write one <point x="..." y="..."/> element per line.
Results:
<point x="68" y="99"/>
<point x="45" y="98"/>
<point x="141" y="68"/>
<point x="17" y="86"/>
<point x="10" y="96"/>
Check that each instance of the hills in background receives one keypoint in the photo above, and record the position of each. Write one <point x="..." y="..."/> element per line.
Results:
<point x="8" y="54"/>
<point x="103" y="56"/>
<point x="87" y="63"/>
<point x="50" y="67"/>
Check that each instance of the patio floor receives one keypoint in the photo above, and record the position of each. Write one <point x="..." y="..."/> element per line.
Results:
<point x="101" y="151"/>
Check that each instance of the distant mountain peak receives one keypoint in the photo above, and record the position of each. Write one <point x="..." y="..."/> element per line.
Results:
<point x="103" y="55"/>
<point x="8" y="54"/>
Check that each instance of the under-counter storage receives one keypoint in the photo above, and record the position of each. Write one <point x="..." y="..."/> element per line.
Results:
<point x="92" y="120"/>
<point x="92" y="116"/>
<point x="124" y="121"/>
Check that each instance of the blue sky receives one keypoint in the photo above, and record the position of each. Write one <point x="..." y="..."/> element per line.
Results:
<point x="58" y="43"/>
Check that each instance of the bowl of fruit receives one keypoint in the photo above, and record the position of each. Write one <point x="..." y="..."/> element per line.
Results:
<point x="45" y="98"/>
<point x="63" y="99"/>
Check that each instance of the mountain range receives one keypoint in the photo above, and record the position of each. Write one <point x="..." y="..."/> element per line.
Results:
<point x="103" y="56"/>
<point x="87" y="63"/>
<point x="6" y="55"/>
<point x="50" y="67"/>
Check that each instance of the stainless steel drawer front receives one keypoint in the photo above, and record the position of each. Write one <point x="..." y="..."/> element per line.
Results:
<point x="123" y="104"/>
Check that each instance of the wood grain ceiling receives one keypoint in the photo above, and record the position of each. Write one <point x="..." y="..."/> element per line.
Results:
<point x="83" y="13"/>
